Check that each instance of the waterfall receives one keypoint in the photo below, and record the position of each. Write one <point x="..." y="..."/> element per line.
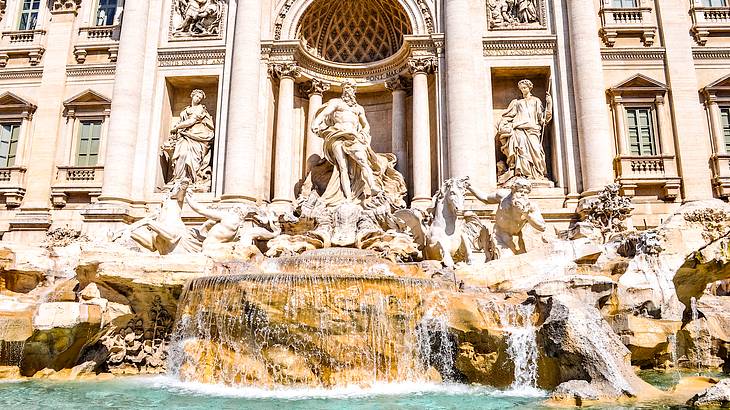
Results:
<point x="315" y="320"/>
<point x="702" y="346"/>
<point x="521" y="343"/>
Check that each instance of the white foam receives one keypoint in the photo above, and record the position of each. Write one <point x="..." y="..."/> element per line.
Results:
<point x="345" y="392"/>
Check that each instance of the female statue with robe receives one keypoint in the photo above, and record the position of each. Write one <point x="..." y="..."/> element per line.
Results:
<point x="187" y="153"/>
<point x="520" y="134"/>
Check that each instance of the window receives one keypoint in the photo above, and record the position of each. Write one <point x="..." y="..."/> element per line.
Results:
<point x="106" y="12"/>
<point x="625" y="3"/>
<point x="87" y="153"/>
<point x="714" y="3"/>
<point x="8" y="143"/>
<point x="29" y="14"/>
<point x="640" y="127"/>
<point x="725" y="124"/>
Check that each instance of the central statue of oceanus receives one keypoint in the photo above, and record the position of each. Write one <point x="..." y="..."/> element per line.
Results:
<point x="358" y="173"/>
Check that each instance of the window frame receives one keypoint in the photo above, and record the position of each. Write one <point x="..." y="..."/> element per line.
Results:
<point x="633" y="4"/>
<point x="110" y="18"/>
<point x="13" y="141"/>
<point x="22" y="12"/>
<point x="655" y="145"/>
<point x="79" y="128"/>
<point x="704" y="3"/>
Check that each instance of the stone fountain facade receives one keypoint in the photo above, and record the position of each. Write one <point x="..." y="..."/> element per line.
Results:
<point x="100" y="117"/>
<point x="319" y="192"/>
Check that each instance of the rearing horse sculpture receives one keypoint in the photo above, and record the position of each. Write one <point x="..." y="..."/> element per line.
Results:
<point x="439" y="233"/>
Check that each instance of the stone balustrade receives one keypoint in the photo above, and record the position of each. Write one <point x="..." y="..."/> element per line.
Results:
<point x="616" y="21"/>
<point x="12" y="185"/>
<point x="28" y="44"/>
<point x="76" y="180"/>
<point x="708" y="20"/>
<point x="640" y="171"/>
<point x="99" y="40"/>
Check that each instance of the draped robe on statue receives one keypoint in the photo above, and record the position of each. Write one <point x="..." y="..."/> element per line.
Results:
<point x="520" y="132"/>
<point x="191" y="155"/>
<point x="390" y="182"/>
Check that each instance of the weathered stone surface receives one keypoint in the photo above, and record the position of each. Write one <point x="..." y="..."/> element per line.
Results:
<point x="582" y="346"/>
<point x="10" y="373"/>
<point x="648" y="339"/>
<point x="716" y="396"/>
<point x="575" y="393"/>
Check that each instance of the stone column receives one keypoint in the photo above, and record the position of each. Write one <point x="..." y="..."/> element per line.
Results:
<point x="397" y="87"/>
<point x="283" y="176"/>
<point x="470" y="145"/>
<point x="420" y="68"/>
<point x="34" y="217"/>
<point x="619" y="125"/>
<point x="125" y="111"/>
<point x="689" y="121"/>
<point x="242" y="142"/>
<point x="596" y="143"/>
<point x="314" y="89"/>
<point x="665" y="128"/>
<point x="713" y="110"/>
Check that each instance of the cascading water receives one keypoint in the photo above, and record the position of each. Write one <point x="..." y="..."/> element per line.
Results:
<point x="517" y="321"/>
<point x="317" y="320"/>
<point x="702" y="342"/>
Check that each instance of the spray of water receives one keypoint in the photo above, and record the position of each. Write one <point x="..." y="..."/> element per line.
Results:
<point x="315" y="320"/>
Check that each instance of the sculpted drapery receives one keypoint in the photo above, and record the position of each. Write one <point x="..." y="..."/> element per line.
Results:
<point x="187" y="153"/>
<point x="358" y="172"/>
<point x="520" y="134"/>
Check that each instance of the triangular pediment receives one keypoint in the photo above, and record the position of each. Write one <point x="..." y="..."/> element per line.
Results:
<point x="640" y="82"/>
<point x="88" y="98"/>
<point x="722" y="83"/>
<point x="9" y="100"/>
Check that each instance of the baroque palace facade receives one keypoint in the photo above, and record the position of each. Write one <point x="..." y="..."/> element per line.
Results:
<point x="105" y="103"/>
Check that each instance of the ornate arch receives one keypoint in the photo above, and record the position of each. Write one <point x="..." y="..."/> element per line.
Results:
<point x="290" y="12"/>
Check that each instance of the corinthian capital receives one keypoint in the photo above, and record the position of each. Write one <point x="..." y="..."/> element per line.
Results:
<point x="425" y="65"/>
<point x="315" y="87"/>
<point x="282" y="70"/>
<point x="397" y="83"/>
<point x="65" y="6"/>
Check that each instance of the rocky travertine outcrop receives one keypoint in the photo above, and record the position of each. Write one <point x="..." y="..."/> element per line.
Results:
<point x="593" y="310"/>
<point x="715" y="396"/>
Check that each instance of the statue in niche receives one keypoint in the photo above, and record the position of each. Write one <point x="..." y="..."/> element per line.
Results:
<point x="520" y="134"/>
<point x="515" y="210"/>
<point x="187" y="152"/>
<point x="358" y="174"/>
<point x="510" y="13"/>
<point x="199" y="17"/>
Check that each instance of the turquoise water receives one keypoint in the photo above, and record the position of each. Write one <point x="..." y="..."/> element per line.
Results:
<point x="163" y="392"/>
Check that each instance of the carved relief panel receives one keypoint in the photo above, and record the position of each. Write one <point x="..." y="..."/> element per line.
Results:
<point x="197" y="19"/>
<point x="516" y="14"/>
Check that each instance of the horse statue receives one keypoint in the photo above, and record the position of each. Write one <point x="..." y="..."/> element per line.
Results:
<point x="165" y="231"/>
<point x="439" y="232"/>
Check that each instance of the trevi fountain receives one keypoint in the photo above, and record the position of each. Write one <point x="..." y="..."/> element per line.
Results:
<point x="357" y="285"/>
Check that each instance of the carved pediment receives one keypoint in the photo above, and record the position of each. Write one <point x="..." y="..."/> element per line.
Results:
<point x="638" y="86"/>
<point x="88" y="100"/>
<point x="640" y="82"/>
<point x="723" y="84"/>
<point x="11" y="105"/>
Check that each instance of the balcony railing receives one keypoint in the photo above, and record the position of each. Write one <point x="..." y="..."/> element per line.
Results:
<point x="28" y="44"/>
<point x="12" y="185"/>
<point x="709" y="20"/>
<point x="627" y="21"/>
<point x="99" y="39"/>
<point x="658" y="171"/>
<point x="85" y="181"/>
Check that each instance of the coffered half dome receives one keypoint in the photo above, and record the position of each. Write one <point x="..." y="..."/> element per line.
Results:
<point x="354" y="31"/>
